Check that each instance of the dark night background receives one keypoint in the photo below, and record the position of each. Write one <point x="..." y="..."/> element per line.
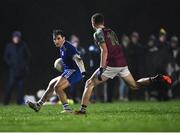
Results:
<point x="37" y="18"/>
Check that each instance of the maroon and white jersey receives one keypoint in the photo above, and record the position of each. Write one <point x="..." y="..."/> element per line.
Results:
<point x="116" y="56"/>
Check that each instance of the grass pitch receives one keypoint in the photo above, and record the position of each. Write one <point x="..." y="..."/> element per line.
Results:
<point x="119" y="116"/>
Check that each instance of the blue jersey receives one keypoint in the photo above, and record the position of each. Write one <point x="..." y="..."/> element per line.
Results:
<point x="67" y="51"/>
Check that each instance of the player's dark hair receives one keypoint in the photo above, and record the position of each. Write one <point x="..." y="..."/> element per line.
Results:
<point x="98" y="18"/>
<point x="58" y="32"/>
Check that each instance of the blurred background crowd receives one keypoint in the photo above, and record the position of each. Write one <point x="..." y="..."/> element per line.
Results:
<point x="148" y="30"/>
<point x="159" y="55"/>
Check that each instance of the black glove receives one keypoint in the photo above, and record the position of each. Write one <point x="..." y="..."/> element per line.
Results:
<point x="101" y="70"/>
<point x="84" y="76"/>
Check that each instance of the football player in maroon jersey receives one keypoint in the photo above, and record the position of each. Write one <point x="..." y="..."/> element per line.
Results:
<point x="112" y="63"/>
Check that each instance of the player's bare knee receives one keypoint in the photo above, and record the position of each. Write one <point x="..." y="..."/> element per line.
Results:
<point x="89" y="83"/>
<point x="57" y="88"/>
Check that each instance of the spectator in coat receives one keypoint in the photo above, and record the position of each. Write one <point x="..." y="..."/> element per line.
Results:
<point x="17" y="57"/>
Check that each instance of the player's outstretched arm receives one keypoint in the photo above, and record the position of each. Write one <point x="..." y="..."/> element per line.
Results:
<point x="80" y="64"/>
<point x="104" y="54"/>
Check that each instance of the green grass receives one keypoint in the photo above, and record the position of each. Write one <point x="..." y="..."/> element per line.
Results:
<point x="119" y="116"/>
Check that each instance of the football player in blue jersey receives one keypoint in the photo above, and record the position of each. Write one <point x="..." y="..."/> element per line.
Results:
<point x="74" y="71"/>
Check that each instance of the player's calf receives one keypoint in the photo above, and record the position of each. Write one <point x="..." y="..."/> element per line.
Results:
<point x="90" y="84"/>
<point x="134" y="86"/>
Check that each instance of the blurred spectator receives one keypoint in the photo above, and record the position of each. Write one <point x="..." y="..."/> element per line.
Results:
<point x="162" y="36"/>
<point x="163" y="58"/>
<point x="125" y="41"/>
<point x="164" y="54"/>
<point x="151" y="44"/>
<point x="152" y="51"/>
<point x="173" y="68"/>
<point x="94" y="57"/>
<point x="136" y="58"/>
<point x="17" y="57"/>
<point x="76" y="43"/>
<point x="123" y="91"/>
<point x="123" y="88"/>
<point x="150" y="65"/>
<point x="77" y="89"/>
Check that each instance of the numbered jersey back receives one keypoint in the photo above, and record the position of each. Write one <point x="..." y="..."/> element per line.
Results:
<point x="116" y="56"/>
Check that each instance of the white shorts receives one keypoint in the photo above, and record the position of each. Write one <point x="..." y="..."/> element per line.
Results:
<point x="111" y="72"/>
